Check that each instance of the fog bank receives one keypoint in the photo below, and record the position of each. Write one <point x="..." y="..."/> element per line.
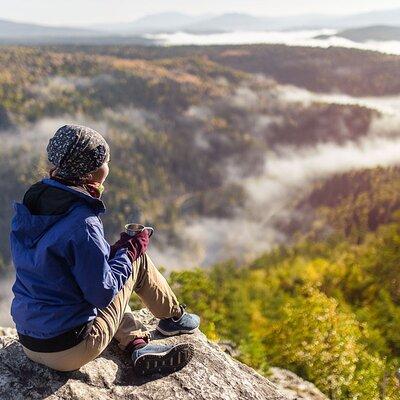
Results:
<point x="251" y="231"/>
<point x="308" y="38"/>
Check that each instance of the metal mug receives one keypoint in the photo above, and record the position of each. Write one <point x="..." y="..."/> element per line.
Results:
<point x="133" y="229"/>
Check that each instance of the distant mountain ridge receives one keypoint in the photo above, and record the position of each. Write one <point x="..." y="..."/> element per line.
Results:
<point x="19" y="29"/>
<point x="169" y="22"/>
<point x="154" y="22"/>
<point x="206" y="23"/>
<point x="375" y="32"/>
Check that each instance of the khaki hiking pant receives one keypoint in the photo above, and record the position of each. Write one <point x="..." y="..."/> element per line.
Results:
<point x="117" y="320"/>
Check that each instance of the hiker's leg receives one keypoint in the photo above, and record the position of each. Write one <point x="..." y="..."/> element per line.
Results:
<point x="129" y="329"/>
<point x="117" y="320"/>
<point x="154" y="290"/>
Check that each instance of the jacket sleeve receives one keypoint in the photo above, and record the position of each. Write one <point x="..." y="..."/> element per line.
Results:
<point x="99" y="277"/>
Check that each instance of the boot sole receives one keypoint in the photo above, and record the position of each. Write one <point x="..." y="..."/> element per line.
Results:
<point x="173" y="333"/>
<point x="165" y="363"/>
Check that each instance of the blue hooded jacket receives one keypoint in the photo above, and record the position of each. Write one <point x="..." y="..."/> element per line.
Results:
<point x="63" y="270"/>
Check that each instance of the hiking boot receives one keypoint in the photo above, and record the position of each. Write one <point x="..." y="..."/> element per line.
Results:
<point x="161" y="359"/>
<point x="187" y="323"/>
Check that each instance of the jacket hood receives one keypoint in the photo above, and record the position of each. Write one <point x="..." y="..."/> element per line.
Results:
<point x="28" y="228"/>
<point x="44" y="204"/>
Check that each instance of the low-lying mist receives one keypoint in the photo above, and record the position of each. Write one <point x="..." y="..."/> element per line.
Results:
<point x="323" y="38"/>
<point x="387" y="105"/>
<point x="287" y="174"/>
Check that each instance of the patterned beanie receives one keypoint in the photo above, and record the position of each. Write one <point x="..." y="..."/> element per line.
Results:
<point x="77" y="150"/>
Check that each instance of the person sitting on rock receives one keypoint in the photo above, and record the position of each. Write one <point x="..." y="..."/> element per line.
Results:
<point x="72" y="288"/>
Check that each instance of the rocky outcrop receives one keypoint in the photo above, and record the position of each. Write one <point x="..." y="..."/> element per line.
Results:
<point x="293" y="387"/>
<point x="212" y="374"/>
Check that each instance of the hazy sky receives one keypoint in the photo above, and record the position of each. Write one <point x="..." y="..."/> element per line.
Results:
<point x="75" y="12"/>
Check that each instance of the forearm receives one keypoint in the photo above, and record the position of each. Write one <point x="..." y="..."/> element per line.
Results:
<point x="121" y="267"/>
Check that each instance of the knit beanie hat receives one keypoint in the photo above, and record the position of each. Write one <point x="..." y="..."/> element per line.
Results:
<point x="77" y="150"/>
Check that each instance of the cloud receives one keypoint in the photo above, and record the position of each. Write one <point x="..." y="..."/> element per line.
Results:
<point x="286" y="173"/>
<point x="386" y="105"/>
<point x="58" y="86"/>
<point x="307" y="38"/>
<point x="37" y="135"/>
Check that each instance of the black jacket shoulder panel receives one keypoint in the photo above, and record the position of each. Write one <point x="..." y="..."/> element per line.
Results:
<point x="42" y="199"/>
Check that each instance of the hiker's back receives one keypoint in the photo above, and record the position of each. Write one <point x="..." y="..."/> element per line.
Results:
<point x="46" y="293"/>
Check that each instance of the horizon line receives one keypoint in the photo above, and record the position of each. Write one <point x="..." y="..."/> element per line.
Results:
<point x="82" y="25"/>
